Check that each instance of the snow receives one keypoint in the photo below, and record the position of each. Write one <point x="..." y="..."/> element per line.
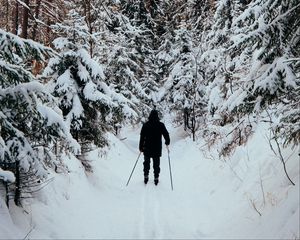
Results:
<point x="83" y="73"/>
<point x="7" y="176"/>
<point x="53" y="118"/>
<point x="92" y="93"/>
<point x="212" y="198"/>
<point x="61" y="42"/>
<point x="64" y="81"/>
<point x="8" y="230"/>
<point x="96" y="69"/>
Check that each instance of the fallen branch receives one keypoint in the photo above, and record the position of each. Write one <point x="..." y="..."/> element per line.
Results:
<point x="32" y="228"/>
<point x="254" y="206"/>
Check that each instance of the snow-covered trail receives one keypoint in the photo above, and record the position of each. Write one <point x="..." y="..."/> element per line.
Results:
<point x="141" y="211"/>
<point x="210" y="199"/>
<point x="102" y="206"/>
<point x="154" y="211"/>
<point x="165" y="213"/>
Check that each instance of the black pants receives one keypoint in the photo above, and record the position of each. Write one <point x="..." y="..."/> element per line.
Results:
<point x="156" y="162"/>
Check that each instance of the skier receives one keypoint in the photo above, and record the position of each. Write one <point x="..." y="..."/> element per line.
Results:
<point x="151" y="144"/>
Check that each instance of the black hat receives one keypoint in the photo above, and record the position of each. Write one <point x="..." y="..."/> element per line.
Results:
<point x="153" y="115"/>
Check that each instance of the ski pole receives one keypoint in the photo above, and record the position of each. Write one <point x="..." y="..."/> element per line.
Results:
<point x="170" y="168"/>
<point x="133" y="168"/>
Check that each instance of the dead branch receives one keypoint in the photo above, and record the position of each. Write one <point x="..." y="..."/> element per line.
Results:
<point x="262" y="188"/>
<point x="254" y="206"/>
<point x="279" y="150"/>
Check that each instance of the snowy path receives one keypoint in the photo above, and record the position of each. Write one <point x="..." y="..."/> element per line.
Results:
<point x="161" y="212"/>
<point x="101" y="206"/>
<point x="208" y="200"/>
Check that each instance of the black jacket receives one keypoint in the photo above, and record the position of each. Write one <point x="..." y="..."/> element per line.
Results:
<point x="150" y="138"/>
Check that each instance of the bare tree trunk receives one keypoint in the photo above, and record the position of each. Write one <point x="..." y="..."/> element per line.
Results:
<point x="24" y="33"/>
<point x="36" y="16"/>
<point x="48" y="23"/>
<point x="18" y="185"/>
<point x="186" y="118"/>
<point x="7" y="194"/>
<point x="90" y="31"/>
<point x="7" y="16"/>
<point x="193" y="125"/>
<point x="16" y="18"/>
<point x="88" y="17"/>
<point x="48" y="30"/>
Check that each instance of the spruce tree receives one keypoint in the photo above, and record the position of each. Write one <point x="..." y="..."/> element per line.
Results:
<point x="89" y="104"/>
<point x="30" y="123"/>
<point x="266" y="34"/>
<point x="257" y="44"/>
<point x="130" y="58"/>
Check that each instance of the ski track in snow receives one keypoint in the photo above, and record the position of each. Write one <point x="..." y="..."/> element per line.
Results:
<point x="163" y="214"/>
<point x="150" y="226"/>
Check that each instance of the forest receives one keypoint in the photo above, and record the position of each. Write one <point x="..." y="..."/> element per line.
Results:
<point x="72" y="71"/>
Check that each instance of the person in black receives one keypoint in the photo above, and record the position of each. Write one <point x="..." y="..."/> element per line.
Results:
<point x="151" y="144"/>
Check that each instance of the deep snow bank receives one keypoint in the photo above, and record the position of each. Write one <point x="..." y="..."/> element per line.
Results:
<point x="263" y="203"/>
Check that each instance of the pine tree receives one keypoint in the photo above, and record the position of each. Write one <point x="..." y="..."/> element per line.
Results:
<point x="267" y="36"/>
<point x="184" y="90"/>
<point x="256" y="42"/>
<point x="129" y="64"/>
<point x="89" y="104"/>
<point x="30" y="124"/>
<point x="123" y="73"/>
